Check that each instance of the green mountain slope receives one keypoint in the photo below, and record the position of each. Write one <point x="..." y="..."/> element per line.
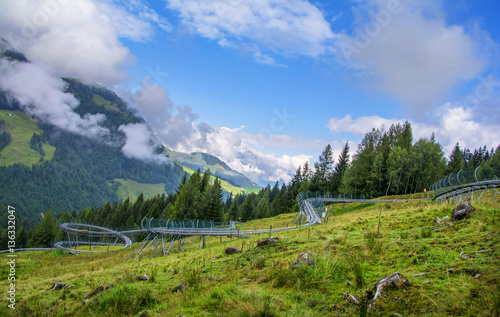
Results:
<point x="204" y="161"/>
<point x="22" y="128"/>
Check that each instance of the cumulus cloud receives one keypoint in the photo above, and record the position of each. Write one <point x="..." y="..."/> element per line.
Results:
<point x="452" y="123"/>
<point x="41" y="94"/>
<point x="282" y="140"/>
<point x="177" y="127"/>
<point x="74" y="37"/>
<point x="285" y="27"/>
<point x="409" y="51"/>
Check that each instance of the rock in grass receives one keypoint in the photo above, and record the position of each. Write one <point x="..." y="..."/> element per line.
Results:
<point x="266" y="241"/>
<point x="462" y="211"/>
<point x="143" y="278"/>
<point x="144" y="314"/>
<point x="297" y="264"/>
<point x="180" y="288"/>
<point x="231" y="250"/>
<point x="305" y="255"/>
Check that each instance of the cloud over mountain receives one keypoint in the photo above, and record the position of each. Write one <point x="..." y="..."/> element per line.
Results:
<point x="42" y="94"/>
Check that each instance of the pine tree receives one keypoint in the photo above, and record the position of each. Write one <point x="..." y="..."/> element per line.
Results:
<point x="340" y="167"/>
<point x="214" y="204"/>
<point x="456" y="162"/>
<point x="247" y="209"/>
<point x="46" y="230"/>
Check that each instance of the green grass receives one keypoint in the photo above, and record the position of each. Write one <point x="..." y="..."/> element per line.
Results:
<point x="132" y="189"/>
<point x="105" y="103"/>
<point x="21" y="128"/>
<point x="259" y="281"/>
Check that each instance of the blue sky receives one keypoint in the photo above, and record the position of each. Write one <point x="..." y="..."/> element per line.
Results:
<point x="266" y="85"/>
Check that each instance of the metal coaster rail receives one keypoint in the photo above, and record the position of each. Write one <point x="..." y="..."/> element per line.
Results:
<point x="464" y="185"/>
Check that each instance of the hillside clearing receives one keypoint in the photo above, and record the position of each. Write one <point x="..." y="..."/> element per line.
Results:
<point x="21" y="128"/>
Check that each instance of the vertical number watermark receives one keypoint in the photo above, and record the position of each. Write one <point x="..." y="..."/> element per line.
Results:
<point x="11" y="262"/>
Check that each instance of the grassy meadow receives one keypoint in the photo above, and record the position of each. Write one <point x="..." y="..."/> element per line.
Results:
<point x="353" y="250"/>
<point x="132" y="189"/>
<point x="21" y="128"/>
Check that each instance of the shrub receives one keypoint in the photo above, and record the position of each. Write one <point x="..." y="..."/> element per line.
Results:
<point x="357" y="271"/>
<point x="374" y="245"/>
<point x="193" y="276"/>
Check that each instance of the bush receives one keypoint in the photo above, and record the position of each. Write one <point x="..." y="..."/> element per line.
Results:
<point x="193" y="277"/>
<point x="374" y="245"/>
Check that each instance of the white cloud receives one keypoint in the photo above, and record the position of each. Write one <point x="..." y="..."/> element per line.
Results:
<point x="133" y="19"/>
<point x="139" y="143"/>
<point x="74" y="37"/>
<point x="360" y="126"/>
<point x="282" y="141"/>
<point x="42" y="94"/>
<point x="408" y="50"/>
<point x="459" y="124"/>
<point x="286" y="27"/>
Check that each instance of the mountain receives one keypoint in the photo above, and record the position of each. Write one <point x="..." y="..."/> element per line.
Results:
<point x="204" y="161"/>
<point x="45" y="165"/>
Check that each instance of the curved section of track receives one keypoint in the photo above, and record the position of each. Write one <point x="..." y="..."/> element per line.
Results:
<point x="91" y="231"/>
<point x="464" y="183"/>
